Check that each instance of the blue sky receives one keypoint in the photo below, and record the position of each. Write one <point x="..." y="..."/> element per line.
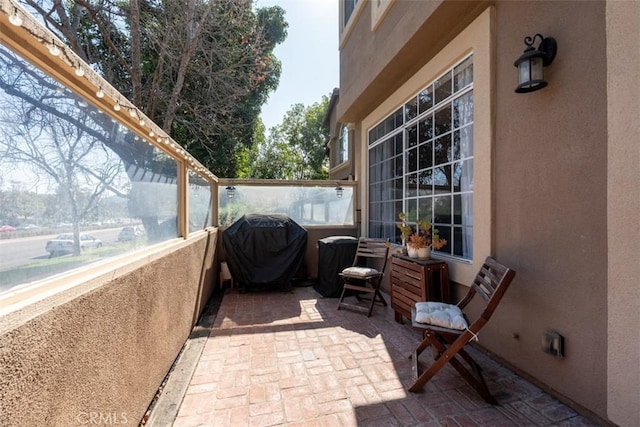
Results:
<point x="309" y="56"/>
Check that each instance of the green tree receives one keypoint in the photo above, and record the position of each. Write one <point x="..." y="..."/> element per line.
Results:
<point x="248" y="157"/>
<point x="200" y="69"/>
<point x="295" y="149"/>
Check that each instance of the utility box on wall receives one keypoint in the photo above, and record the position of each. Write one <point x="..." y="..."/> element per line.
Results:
<point x="553" y="344"/>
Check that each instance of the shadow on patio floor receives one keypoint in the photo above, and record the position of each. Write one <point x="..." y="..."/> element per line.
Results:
<point x="275" y="358"/>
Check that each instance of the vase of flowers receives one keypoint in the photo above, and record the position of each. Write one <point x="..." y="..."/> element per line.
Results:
<point x="420" y="242"/>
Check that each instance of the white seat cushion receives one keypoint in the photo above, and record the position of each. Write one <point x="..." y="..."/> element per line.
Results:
<point x="440" y="314"/>
<point x="360" y="272"/>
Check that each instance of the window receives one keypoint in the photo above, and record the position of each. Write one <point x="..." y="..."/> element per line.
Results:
<point x="308" y="205"/>
<point x="343" y="148"/>
<point x="349" y="6"/>
<point x="200" y="200"/>
<point x="421" y="162"/>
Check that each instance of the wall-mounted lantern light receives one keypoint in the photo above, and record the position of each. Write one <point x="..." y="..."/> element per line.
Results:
<point x="339" y="192"/>
<point x="231" y="191"/>
<point x="531" y="62"/>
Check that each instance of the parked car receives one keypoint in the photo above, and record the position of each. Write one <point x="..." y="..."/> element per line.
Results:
<point x="28" y="227"/>
<point x="128" y="234"/>
<point x="7" y="229"/>
<point x="63" y="244"/>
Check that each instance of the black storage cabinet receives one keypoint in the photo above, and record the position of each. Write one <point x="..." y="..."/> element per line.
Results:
<point x="335" y="253"/>
<point x="264" y="249"/>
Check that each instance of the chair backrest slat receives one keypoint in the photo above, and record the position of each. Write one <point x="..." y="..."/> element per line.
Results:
<point x="369" y="247"/>
<point x="480" y="291"/>
<point x="490" y="279"/>
<point x="485" y="283"/>
<point x="491" y="283"/>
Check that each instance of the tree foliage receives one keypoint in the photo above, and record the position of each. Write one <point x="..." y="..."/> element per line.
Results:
<point x="200" y="69"/>
<point x="295" y="147"/>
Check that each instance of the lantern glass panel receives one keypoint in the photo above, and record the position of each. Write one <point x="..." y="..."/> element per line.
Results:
<point x="524" y="72"/>
<point x="536" y="68"/>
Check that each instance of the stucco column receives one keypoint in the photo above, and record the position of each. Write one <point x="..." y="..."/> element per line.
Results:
<point x="623" y="213"/>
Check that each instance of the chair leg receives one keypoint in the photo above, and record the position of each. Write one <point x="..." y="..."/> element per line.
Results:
<point x="418" y="351"/>
<point x="373" y="301"/>
<point x="357" y="290"/>
<point x="344" y="290"/>
<point x="444" y="354"/>
<point x="438" y="363"/>
<point x="350" y="289"/>
<point x="472" y="363"/>
<point x="477" y="383"/>
<point x="379" y="295"/>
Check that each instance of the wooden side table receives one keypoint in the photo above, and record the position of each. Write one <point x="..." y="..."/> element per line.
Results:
<point x="414" y="280"/>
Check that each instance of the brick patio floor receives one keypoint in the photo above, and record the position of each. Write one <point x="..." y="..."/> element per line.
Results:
<point x="276" y="358"/>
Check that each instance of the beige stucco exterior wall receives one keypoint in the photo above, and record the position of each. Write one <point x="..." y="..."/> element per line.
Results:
<point x="550" y="169"/>
<point x="623" y="211"/>
<point x="375" y="64"/>
<point x="550" y="199"/>
<point x="365" y="54"/>
<point x="107" y="349"/>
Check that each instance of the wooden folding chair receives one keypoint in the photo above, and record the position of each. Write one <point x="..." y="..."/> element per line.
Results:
<point x="365" y="276"/>
<point x="447" y="328"/>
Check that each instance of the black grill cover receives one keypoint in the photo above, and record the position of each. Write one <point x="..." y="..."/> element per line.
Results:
<point x="335" y="253"/>
<point x="264" y="249"/>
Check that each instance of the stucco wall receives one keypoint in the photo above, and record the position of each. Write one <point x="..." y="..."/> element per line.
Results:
<point x="550" y="198"/>
<point x="105" y="352"/>
<point x="623" y="202"/>
<point x="374" y="64"/>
